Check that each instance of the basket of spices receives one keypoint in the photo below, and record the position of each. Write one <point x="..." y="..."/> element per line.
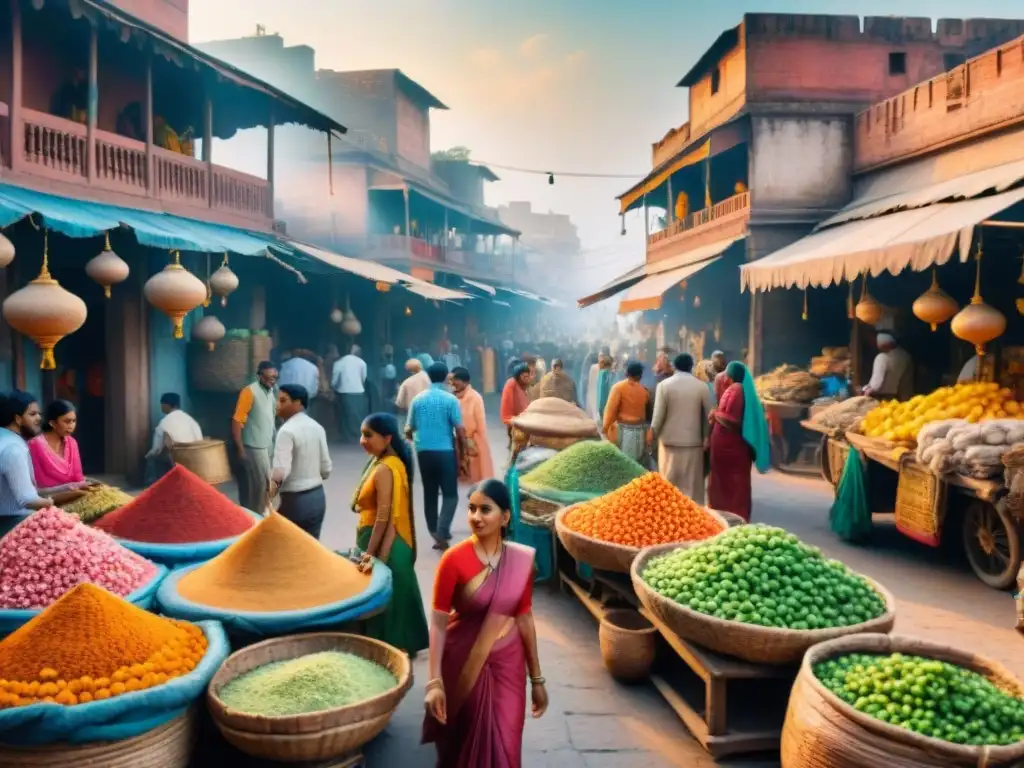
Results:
<point x="581" y="472"/>
<point x="273" y="580"/>
<point x="309" y="697"/>
<point x="53" y="551"/>
<point x="92" y="671"/>
<point x="179" y="519"/>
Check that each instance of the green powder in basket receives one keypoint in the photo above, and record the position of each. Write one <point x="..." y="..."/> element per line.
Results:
<point x="307" y="684"/>
<point x="591" y="466"/>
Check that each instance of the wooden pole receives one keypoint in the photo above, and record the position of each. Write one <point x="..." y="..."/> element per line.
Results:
<point x="330" y="166"/>
<point x="16" y="136"/>
<point x="208" y="147"/>
<point x="93" y="106"/>
<point x="147" y="125"/>
<point x="408" y="236"/>
<point x="270" y="165"/>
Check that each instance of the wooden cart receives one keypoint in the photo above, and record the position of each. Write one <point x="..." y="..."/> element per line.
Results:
<point x="794" y="450"/>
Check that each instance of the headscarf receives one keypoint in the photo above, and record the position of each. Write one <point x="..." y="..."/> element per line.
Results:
<point x="755" y="425"/>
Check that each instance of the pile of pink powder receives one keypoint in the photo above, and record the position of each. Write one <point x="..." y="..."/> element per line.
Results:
<point x="51" y="552"/>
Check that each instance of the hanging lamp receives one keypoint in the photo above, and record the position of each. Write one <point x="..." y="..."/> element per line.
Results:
<point x="935" y="306"/>
<point x="868" y="310"/>
<point x="175" y="291"/>
<point x="223" y="282"/>
<point x="803" y="315"/>
<point x="978" y="323"/>
<point x="210" y="330"/>
<point x="107" y="268"/>
<point x="350" y="324"/>
<point x="44" y="311"/>
<point x="6" y="251"/>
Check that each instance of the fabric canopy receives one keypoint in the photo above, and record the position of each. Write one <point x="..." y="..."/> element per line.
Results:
<point x="694" y="256"/>
<point x="916" y="238"/>
<point x="619" y="284"/>
<point x="435" y="292"/>
<point x="648" y="292"/>
<point x="488" y="289"/>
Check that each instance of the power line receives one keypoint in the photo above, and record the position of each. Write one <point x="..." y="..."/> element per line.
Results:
<point x="572" y="174"/>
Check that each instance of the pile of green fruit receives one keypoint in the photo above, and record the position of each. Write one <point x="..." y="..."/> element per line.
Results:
<point x="757" y="574"/>
<point x="932" y="698"/>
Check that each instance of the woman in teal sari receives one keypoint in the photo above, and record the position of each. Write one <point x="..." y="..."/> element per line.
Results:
<point x="386" y="530"/>
<point x="605" y="379"/>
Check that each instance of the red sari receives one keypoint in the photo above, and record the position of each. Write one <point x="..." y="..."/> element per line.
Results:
<point x="731" y="458"/>
<point x="484" y="661"/>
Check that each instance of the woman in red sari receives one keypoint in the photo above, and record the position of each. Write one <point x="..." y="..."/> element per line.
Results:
<point x="731" y="456"/>
<point x="483" y="643"/>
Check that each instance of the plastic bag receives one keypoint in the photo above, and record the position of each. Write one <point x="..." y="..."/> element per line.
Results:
<point x="121" y="717"/>
<point x="850" y="516"/>
<point x="176" y="555"/>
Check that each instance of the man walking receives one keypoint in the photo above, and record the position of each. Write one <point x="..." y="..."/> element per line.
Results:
<point x="348" y="380"/>
<point x="682" y="405"/>
<point x="301" y="462"/>
<point x="252" y="431"/>
<point x="299" y="369"/>
<point x="435" y="425"/>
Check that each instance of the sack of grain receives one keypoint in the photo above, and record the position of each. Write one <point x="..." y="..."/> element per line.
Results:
<point x="845" y="414"/>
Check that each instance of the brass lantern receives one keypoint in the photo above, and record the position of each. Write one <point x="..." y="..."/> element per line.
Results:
<point x="350" y="324"/>
<point x="978" y="323"/>
<point x="107" y="268"/>
<point x="868" y="310"/>
<point x="935" y="306"/>
<point x="223" y="282"/>
<point x="175" y="291"/>
<point x="209" y="329"/>
<point x="6" y="251"/>
<point x="44" y="311"/>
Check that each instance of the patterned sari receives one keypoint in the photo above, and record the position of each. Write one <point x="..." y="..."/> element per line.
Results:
<point x="484" y="670"/>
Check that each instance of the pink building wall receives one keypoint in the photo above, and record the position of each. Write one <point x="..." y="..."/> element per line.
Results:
<point x="413" y="131"/>
<point x="171" y="16"/>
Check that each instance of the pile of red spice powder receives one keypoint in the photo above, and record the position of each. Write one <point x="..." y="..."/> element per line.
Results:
<point x="179" y="508"/>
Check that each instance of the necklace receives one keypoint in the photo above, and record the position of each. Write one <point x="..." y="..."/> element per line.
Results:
<point x="490" y="561"/>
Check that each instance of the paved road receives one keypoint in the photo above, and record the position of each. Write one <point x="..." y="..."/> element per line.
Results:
<point x="594" y="722"/>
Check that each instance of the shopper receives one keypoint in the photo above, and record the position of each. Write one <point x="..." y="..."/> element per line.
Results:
<point x="302" y="462"/>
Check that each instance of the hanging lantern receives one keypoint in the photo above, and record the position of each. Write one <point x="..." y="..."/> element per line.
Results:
<point x="6" y="251"/>
<point x="935" y="306"/>
<point x="337" y="315"/>
<point x="868" y="310"/>
<point x="175" y="291"/>
<point x="408" y="311"/>
<point x="350" y="324"/>
<point x="223" y="282"/>
<point x="382" y="286"/>
<point x="803" y="315"/>
<point x="849" y="303"/>
<point x="209" y="329"/>
<point x="978" y="323"/>
<point x="44" y="311"/>
<point x="107" y="268"/>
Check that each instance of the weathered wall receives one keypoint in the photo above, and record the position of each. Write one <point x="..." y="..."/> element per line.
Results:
<point x="169" y="15"/>
<point x="366" y="99"/>
<point x="413" y="128"/>
<point x="304" y="202"/>
<point x="709" y="108"/>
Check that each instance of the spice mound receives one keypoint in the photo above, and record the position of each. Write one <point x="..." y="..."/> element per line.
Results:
<point x="179" y="508"/>
<point x="52" y="551"/>
<point x="647" y="511"/>
<point x="589" y="467"/>
<point x="97" y="501"/>
<point x="90" y="646"/>
<point x="312" y="683"/>
<point x="276" y="566"/>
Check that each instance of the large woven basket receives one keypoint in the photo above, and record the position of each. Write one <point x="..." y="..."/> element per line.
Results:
<point x="317" y="735"/>
<point x="168" y="746"/>
<point x="822" y="731"/>
<point x="207" y="459"/>
<point x="628" y="646"/>
<point x="536" y="511"/>
<point x="750" y="642"/>
<point x="230" y="365"/>
<point x="603" y="555"/>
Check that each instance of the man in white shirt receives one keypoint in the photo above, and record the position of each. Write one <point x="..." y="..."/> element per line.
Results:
<point x="969" y="373"/>
<point x="348" y="380"/>
<point x="175" y="427"/>
<point x="892" y="374"/>
<point x="296" y="369"/>
<point x="417" y="381"/>
<point x="301" y="462"/>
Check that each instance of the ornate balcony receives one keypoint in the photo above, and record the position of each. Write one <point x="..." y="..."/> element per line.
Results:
<point x="722" y="220"/>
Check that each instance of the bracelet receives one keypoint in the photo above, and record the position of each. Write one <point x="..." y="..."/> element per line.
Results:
<point x="539" y="680"/>
<point x="437" y="682"/>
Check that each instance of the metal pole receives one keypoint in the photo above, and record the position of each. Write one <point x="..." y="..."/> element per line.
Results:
<point x="147" y="125"/>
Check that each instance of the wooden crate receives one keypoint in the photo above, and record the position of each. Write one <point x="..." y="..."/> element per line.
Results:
<point x="838" y="451"/>
<point x="920" y="503"/>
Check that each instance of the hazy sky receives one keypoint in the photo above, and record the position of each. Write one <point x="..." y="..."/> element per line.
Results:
<point x="567" y="85"/>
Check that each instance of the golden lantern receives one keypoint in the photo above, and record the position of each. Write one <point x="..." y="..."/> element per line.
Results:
<point x="44" y="311"/>
<point x="849" y="302"/>
<point x="209" y="329"/>
<point x="6" y="251"/>
<point x="223" y="282"/>
<point x="107" y="268"/>
<point x="868" y="310"/>
<point x="978" y="323"/>
<point x="175" y="291"/>
<point x="350" y="324"/>
<point x="935" y="306"/>
<point x="382" y="286"/>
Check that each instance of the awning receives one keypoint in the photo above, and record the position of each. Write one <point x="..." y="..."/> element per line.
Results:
<point x="618" y="285"/>
<point x="658" y="177"/>
<point x="648" y="292"/>
<point x="436" y="292"/>
<point x="488" y="289"/>
<point x="915" y="238"/>
<point x="694" y="256"/>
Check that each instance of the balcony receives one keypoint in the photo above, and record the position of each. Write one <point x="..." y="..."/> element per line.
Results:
<point x="722" y="220"/>
<point x="401" y="252"/>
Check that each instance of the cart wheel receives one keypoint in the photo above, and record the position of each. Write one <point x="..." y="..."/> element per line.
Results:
<point x="822" y="459"/>
<point x="993" y="543"/>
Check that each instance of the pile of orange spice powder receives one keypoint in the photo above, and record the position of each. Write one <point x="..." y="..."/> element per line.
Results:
<point x="91" y="645"/>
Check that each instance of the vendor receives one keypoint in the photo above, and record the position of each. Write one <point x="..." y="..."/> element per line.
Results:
<point x="892" y="373"/>
<point x="176" y="426"/>
<point x="969" y="372"/>
<point x="21" y="420"/>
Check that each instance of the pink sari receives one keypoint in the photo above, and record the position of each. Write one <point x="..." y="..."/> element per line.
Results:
<point x="52" y="470"/>
<point x="484" y="672"/>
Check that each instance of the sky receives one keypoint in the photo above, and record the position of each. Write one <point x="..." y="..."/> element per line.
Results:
<point x="580" y="86"/>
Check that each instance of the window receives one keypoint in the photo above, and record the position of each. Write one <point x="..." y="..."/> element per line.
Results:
<point x="897" y="63"/>
<point x="716" y="80"/>
<point x="952" y="60"/>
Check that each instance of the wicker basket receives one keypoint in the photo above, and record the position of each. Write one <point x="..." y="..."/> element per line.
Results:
<point x="207" y="459"/>
<point x="822" y="731"/>
<point x="231" y="364"/>
<point x="627" y="644"/>
<point x="603" y="555"/>
<point x="750" y="642"/>
<point x="168" y="746"/>
<point x="536" y="511"/>
<point x="318" y="735"/>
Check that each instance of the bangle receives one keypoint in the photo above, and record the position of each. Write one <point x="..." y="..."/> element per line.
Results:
<point x="437" y="682"/>
<point x="539" y="680"/>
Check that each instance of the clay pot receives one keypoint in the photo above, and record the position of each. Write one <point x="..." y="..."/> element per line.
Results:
<point x="209" y="329"/>
<point x="978" y="323"/>
<point x="223" y="282"/>
<point x="107" y="268"/>
<point x="935" y="306"/>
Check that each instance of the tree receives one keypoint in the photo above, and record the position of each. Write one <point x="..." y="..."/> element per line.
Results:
<point x="458" y="154"/>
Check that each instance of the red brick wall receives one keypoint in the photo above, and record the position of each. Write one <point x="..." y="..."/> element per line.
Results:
<point x="413" y="132"/>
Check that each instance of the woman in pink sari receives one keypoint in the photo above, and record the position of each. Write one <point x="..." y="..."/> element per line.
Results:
<point x="483" y="643"/>
<point x="480" y="465"/>
<point x="56" y="462"/>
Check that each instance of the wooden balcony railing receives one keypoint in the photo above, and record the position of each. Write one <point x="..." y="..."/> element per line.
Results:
<point x="54" y="147"/>
<point x="731" y="206"/>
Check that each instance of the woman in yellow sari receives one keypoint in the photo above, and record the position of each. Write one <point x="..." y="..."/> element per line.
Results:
<point x="386" y="530"/>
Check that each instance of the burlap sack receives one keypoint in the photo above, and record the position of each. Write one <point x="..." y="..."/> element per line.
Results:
<point x="553" y="417"/>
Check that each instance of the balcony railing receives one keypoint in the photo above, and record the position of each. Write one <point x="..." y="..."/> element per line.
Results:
<point x="731" y="207"/>
<point x="400" y="248"/>
<point x="56" y="149"/>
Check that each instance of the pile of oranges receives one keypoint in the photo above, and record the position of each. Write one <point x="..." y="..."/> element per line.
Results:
<point x="645" y="512"/>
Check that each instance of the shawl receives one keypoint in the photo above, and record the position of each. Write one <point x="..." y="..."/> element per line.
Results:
<point x="755" y="425"/>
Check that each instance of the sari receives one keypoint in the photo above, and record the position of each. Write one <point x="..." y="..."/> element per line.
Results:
<point x="52" y="470"/>
<point x="403" y="624"/>
<point x="605" y="380"/>
<point x="484" y="670"/>
<point x="474" y="421"/>
<point x="729" y="487"/>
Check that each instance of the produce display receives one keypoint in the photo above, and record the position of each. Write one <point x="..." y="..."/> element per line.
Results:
<point x="932" y="698"/>
<point x="311" y="683"/>
<point x="901" y="422"/>
<point x="834" y="361"/>
<point x="97" y="501"/>
<point x="90" y="646"/>
<point x="593" y="467"/>
<point x="844" y="414"/>
<point x="788" y="384"/>
<point x="275" y="566"/>
<point x="647" y="511"/>
<point x="757" y="574"/>
<point x="974" y="450"/>
<point x="52" y="551"/>
<point x="179" y="508"/>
